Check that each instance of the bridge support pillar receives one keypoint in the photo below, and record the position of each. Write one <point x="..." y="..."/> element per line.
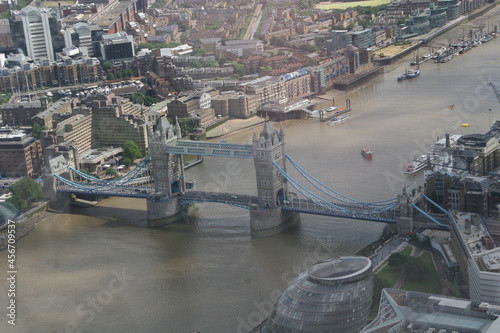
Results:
<point x="268" y="222"/>
<point x="162" y="211"/>
<point x="57" y="201"/>
<point x="404" y="224"/>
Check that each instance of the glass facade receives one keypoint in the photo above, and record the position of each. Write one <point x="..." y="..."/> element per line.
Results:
<point x="332" y="296"/>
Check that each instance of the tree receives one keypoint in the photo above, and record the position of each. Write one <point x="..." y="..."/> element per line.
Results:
<point x="107" y="66"/>
<point x="379" y="283"/>
<point x="415" y="269"/>
<point x="148" y="101"/>
<point x="221" y="60"/>
<point x="137" y="98"/>
<point x="266" y="69"/>
<point x="396" y="260"/>
<point x="238" y="68"/>
<point x="36" y="130"/>
<point x="110" y="172"/>
<point x="195" y="64"/>
<point x="278" y="41"/>
<point x="110" y="76"/>
<point x="131" y="152"/>
<point x="199" y="52"/>
<point x="24" y="193"/>
<point x="81" y="178"/>
<point x="128" y="73"/>
<point x="320" y="42"/>
<point x="211" y="63"/>
<point x="307" y="48"/>
<point x="188" y="125"/>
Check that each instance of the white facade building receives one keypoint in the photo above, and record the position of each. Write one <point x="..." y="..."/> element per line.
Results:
<point x="37" y="32"/>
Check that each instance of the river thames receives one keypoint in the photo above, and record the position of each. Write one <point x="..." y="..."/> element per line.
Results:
<point x="99" y="270"/>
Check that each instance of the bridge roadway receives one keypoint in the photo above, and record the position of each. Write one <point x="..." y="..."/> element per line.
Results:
<point x="310" y="207"/>
<point x="128" y="191"/>
<point x="243" y="201"/>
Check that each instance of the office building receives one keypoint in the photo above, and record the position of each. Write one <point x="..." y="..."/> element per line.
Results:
<point x="333" y="296"/>
<point x="36" y="31"/>
<point x="116" y="46"/>
<point x="20" y="154"/>
<point x="409" y="311"/>
<point x="477" y="257"/>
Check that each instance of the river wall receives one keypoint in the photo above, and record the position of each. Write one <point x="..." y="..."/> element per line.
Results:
<point x="430" y="36"/>
<point x="25" y="223"/>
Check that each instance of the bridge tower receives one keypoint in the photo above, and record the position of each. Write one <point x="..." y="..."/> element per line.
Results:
<point x="267" y="217"/>
<point x="404" y="220"/>
<point x="56" y="162"/>
<point x="167" y="172"/>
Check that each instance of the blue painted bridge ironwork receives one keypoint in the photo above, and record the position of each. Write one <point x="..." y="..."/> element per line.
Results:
<point x="219" y="149"/>
<point x="308" y="195"/>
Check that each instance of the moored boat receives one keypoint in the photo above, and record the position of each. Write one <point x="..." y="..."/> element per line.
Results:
<point x="366" y="153"/>
<point x="331" y="108"/>
<point x="402" y="77"/>
<point x="419" y="163"/>
<point x="338" y="119"/>
<point x="409" y="74"/>
<point x="412" y="73"/>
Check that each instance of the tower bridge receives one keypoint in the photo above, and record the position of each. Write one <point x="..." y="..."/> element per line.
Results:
<point x="160" y="179"/>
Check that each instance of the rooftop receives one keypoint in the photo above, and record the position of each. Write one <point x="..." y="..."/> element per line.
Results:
<point x="113" y="14"/>
<point x="407" y="311"/>
<point x="339" y="268"/>
<point x="478" y="241"/>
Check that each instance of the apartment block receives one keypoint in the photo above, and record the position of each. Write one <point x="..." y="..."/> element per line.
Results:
<point x="235" y="105"/>
<point x="20" y="154"/>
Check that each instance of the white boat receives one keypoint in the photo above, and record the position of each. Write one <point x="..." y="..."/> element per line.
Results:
<point x="366" y="153"/>
<point x="338" y="119"/>
<point x="49" y="94"/>
<point x="419" y="163"/>
<point x="331" y="108"/>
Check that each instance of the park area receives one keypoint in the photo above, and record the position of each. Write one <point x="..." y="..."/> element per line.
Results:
<point x="428" y="282"/>
<point x="393" y="49"/>
<point x="55" y="4"/>
<point x="350" y="4"/>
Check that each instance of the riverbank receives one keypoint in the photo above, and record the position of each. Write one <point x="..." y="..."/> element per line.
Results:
<point x="26" y="222"/>
<point x="391" y="53"/>
<point x="234" y="126"/>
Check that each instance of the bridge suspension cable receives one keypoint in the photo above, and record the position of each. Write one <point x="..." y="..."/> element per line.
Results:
<point x="331" y="192"/>
<point x="354" y="209"/>
<point x="97" y="184"/>
<point x="143" y="167"/>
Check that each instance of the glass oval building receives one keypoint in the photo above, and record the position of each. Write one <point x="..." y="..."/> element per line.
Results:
<point x="332" y="296"/>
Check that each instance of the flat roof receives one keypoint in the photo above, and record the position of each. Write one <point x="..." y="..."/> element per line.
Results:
<point x="113" y="13"/>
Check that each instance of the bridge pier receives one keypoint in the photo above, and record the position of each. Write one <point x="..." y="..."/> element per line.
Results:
<point x="271" y="221"/>
<point x="162" y="210"/>
<point x="404" y="224"/>
<point x="57" y="201"/>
